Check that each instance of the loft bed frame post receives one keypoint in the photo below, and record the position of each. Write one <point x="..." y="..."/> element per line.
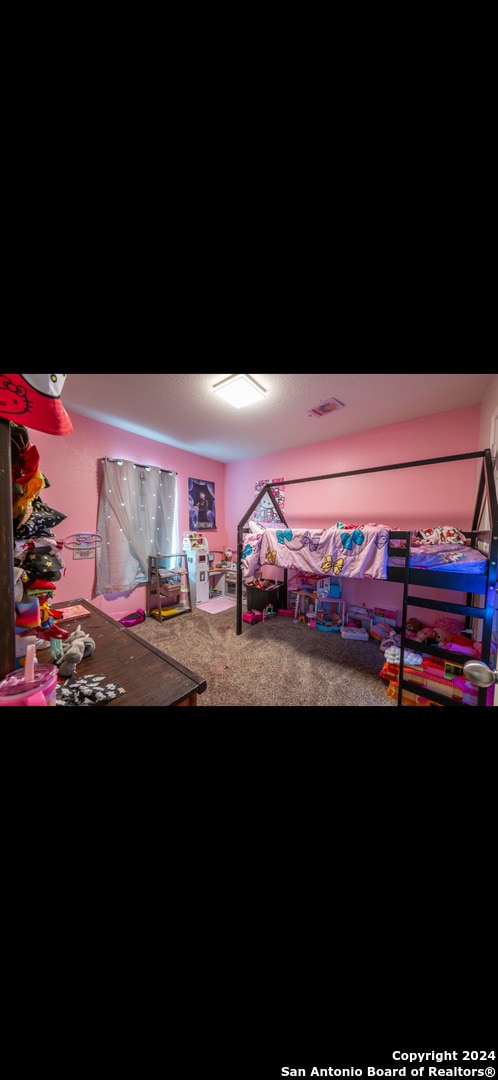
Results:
<point x="406" y="536"/>
<point x="486" y="501"/>
<point x="486" y="496"/>
<point x="267" y="489"/>
<point x="7" y="606"/>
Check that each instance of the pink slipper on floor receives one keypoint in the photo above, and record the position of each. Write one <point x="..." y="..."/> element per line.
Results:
<point x="137" y="616"/>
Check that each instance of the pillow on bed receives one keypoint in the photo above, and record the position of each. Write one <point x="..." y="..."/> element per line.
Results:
<point x="451" y="626"/>
<point x="440" y="534"/>
<point x="255" y="527"/>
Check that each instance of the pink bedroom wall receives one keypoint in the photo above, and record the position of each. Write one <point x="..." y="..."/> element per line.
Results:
<point x="73" y="467"/>
<point x="405" y="498"/>
<point x="417" y="498"/>
<point x="408" y="498"/>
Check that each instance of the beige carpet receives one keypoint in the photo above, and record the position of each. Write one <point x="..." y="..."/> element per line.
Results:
<point x="272" y="663"/>
<point x="217" y="604"/>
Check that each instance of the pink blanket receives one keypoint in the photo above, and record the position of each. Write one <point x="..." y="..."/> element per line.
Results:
<point x="340" y="550"/>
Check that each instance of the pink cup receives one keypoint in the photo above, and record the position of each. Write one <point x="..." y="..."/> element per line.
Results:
<point x="15" y="690"/>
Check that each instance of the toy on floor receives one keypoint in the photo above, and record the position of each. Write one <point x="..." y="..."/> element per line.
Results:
<point x="134" y="618"/>
<point x="253" y="616"/>
<point x="77" y="646"/>
<point x="392" y="638"/>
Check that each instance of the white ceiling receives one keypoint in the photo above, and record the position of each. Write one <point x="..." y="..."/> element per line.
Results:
<point x="183" y="411"/>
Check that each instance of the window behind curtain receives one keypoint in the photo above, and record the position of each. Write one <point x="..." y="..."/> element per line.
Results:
<point x="137" y="517"/>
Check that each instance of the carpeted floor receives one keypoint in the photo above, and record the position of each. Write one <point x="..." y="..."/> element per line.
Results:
<point x="272" y="663"/>
<point x="217" y="604"/>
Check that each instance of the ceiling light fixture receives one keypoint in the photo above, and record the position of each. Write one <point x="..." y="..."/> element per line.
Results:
<point x="239" y="390"/>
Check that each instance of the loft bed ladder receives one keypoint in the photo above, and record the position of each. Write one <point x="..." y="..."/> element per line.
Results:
<point x="486" y="500"/>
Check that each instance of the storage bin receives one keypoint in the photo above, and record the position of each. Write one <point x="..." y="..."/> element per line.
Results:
<point x="258" y="599"/>
<point x="354" y="633"/>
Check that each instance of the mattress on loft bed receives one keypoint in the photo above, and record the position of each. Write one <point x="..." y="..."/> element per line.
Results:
<point x="443" y="547"/>
<point x="451" y="558"/>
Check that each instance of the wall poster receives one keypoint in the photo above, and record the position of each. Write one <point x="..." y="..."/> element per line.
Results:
<point x="265" y="511"/>
<point x="201" y="505"/>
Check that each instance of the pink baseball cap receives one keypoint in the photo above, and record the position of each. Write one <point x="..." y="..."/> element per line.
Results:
<point x="34" y="401"/>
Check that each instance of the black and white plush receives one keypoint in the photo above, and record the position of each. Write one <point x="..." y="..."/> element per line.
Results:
<point x="89" y="690"/>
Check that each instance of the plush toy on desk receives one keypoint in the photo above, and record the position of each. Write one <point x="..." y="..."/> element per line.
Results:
<point x="77" y="646"/>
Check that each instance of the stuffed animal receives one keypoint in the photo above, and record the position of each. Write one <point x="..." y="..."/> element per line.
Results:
<point x="77" y="646"/>
<point x="414" y="625"/>
<point x="426" y="634"/>
<point x="393" y="639"/>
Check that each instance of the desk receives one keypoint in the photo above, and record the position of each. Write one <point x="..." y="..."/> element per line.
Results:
<point x="149" y="676"/>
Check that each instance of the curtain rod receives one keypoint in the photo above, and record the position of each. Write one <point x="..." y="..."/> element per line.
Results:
<point x="136" y="465"/>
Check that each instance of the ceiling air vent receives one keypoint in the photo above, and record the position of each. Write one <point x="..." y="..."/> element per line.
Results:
<point x="328" y="406"/>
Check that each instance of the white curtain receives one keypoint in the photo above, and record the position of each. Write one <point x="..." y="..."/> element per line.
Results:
<point x="137" y="517"/>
